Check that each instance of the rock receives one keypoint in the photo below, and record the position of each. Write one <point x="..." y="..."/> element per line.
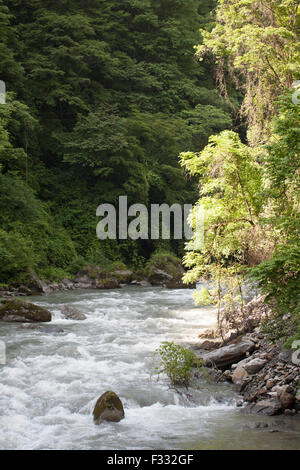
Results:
<point x="18" y="311"/>
<point x="227" y="375"/>
<point x="72" y="313"/>
<point x="42" y="329"/>
<point x="265" y="407"/>
<point x="270" y="384"/>
<point x="158" y="276"/>
<point x="287" y="400"/>
<point x="239" y="375"/>
<point x="13" y="318"/>
<point x="83" y="285"/>
<point x="288" y="412"/>
<point x="254" y="366"/>
<point x="164" y="268"/>
<point x="83" y="278"/>
<point x="285" y="356"/>
<point x="108" y="408"/>
<point x="37" y="285"/>
<point x="54" y="286"/>
<point x="228" y="355"/>
<point x="67" y="283"/>
<point x="25" y="290"/>
<point x="208" y="334"/>
<point x="108" y="283"/>
<point x="210" y="345"/>
<point x="290" y="389"/>
<point x="144" y="283"/>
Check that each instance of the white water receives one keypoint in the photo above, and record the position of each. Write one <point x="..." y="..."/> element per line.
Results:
<point x="50" y="384"/>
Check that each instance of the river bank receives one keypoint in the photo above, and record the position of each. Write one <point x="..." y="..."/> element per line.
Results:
<point x="266" y="375"/>
<point x="165" y="270"/>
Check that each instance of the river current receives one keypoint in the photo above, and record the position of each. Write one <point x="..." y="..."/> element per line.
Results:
<point x="51" y="381"/>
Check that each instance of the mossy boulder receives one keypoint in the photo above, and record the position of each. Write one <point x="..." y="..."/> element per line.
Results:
<point x="13" y="310"/>
<point x="93" y="276"/>
<point x="165" y="268"/>
<point x="108" y="408"/>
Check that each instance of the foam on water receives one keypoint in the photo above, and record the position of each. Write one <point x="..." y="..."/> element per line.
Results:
<point x="50" y="383"/>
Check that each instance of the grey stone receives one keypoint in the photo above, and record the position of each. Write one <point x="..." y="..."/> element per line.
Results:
<point x="255" y="365"/>
<point x="19" y="311"/>
<point x="266" y="407"/>
<point x="72" y="313"/>
<point x="228" y="355"/>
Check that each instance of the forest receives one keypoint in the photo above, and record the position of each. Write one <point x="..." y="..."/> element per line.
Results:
<point x="165" y="101"/>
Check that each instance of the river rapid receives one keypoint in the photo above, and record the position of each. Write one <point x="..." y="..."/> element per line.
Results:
<point x="50" y="382"/>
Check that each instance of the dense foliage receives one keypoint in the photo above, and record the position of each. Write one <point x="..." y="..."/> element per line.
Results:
<point x="251" y="191"/>
<point x="102" y="97"/>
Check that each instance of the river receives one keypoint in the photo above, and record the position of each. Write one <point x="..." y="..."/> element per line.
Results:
<point x="50" y="383"/>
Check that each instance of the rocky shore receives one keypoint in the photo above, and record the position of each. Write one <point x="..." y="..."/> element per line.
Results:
<point x="266" y="376"/>
<point x="94" y="277"/>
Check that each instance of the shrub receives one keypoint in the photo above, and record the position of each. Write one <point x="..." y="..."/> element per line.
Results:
<point x="279" y="279"/>
<point x="177" y="363"/>
<point x="61" y="250"/>
<point x="16" y="257"/>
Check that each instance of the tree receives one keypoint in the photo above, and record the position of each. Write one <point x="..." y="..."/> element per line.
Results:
<point x="279" y="277"/>
<point x="258" y="43"/>
<point x="103" y="96"/>
<point x="231" y="183"/>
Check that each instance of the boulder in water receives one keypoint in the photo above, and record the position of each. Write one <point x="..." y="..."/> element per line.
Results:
<point x="18" y="311"/>
<point x="72" y="313"/>
<point x="264" y="407"/>
<point x="108" y="408"/>
<point x="287" y="400"/>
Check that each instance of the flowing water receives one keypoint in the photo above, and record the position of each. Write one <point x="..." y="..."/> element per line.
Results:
<point x="50" y="383"/>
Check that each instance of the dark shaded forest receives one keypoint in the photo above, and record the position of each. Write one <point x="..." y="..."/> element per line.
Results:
<point x="102" y="97"/>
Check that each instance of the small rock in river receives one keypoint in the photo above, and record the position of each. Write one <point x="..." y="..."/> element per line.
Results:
<point x="108" y="408"/>
<point x="72" y="313"/>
